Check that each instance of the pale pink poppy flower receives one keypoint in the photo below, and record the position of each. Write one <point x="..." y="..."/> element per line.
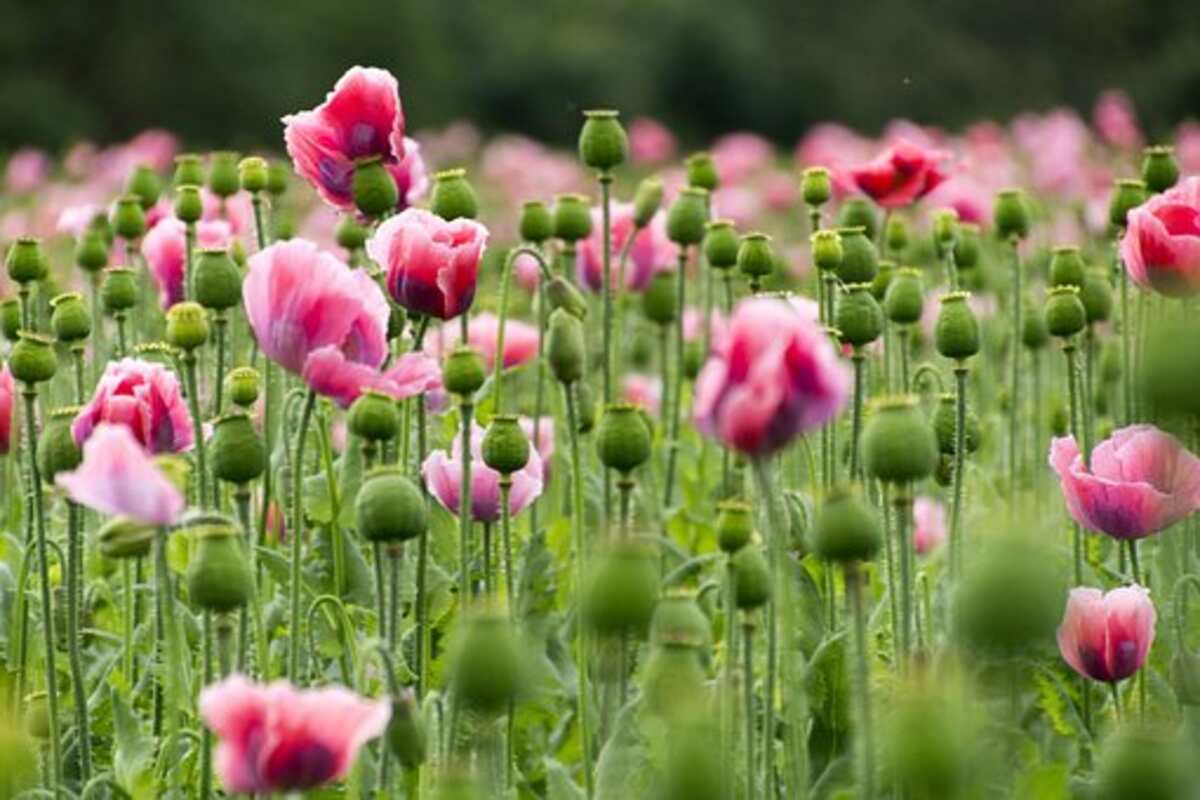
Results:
<point x="164" y="247"/>
<point x="1161" y="245"/>
<point x="1106" y="637"/>
<point x="1116" y="120"/>
<point x="971" y="200"/>
<point x="1187" y="147"/>
<point x="328" y="372"/>
<point x="80" y="159"/>
<point x="526" y="272"/>
<point x="237" y="210"/>
<point x="7" y="401"/>
<point x="902" y="175"/>
<point x="117" y="477"/>
<point x="74" y="220"/>
<point x="643" y="391"/>
<point x="741" y="204"/>
<point x="543" y="441"/>
<point x="739" y="155"/>
<point x="154" y="147"/>
<point x="693" y="327"/>
<point x="443" y="475"/>
<point x="1056" y="145"/>
<point x="780" y="192"/>
<point x="410" y="174"/>
<point x="837" y="149"/>
<point x="520" y="339"/>
<point x="146" y="398"/>
<point x="929" y="525"/>
<point x="650" y="142"/>
<point x="26" y="170"/>
<point x="650" y="253"/>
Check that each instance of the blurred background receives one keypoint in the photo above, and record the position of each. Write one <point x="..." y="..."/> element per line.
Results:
<point x="221" y="73"/>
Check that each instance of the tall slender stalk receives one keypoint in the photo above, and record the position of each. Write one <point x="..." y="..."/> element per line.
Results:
<point x="466" y="410"/>
<point x="583" y="657"/>
<point x="74" y="569"/>
<point x="862" y="671"/>
<point x="1014" y="398"/>
<point x="859" y="390"/>
<point x="297" y="534"/>
<point x="189" y="368"/>
<point x="960" y="457"/>
<point x="677" y="380"/>
<point x="748" y="703"/>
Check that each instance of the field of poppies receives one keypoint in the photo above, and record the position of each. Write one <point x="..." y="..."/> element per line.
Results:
<point x="400" y="465"/>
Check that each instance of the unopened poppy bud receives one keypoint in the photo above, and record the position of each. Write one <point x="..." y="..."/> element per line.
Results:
<point x="966" y="246"/>
<point x="1066" y="267"/>
<point x="26" y="263"/>
<point x="349" y="234"/>
<point x="721" y="244"/>
<point x="463" y="373"/>
<point x="1160" y="170"/>
<point x="702" y="171"/>
<point x="537" y="223"/>
<point x="122" y="537"/>
<point x="242" y="386"/>
<point x="647" y="199"/>
<point x="10" y="318"/>
<point x="858" y="212"/>
<point x="1064" y="313"/>
<point x="755" y="256"/>
<point x="505" y="445"/>
<point x="238" y="453"/>
<point x="56" y="448"/>
<point x="189" y="170"/>
<point x="187" y="325"/>
<point x="585" y="399"/>
<point x="218" y="574"/>
<point x="1059" y="419"/>
<point x="252" y="173"/>
<point x="660" y="302"/>
<point x="189" y="206"/>
<point x="752" y="579"/>
<point x="572" y="217"/>
<point x="945" y="426"/>
<point x="898" y="445"/>
<point x="895" y="236"/>
<point x="945" y="229"/>
<point x="374" y="417"/>
<point x="1033" y="330"/>
<point x="389" y="507"/>
<point x="846" y="529"/>
<point x="32" y="359"/>
<point x="70" y="319"/>
<point x="145" y="184"/>
<point x="860" y="261"/>
<point x="622" y="439"/>
<point x="735" y="525"/>
<point x="827" y="252"/>
<point x="859" y="317"/>
<point x="905" y="299"/>
<point x="405" y="735"/>
<point x="560" y="293"/>
<point x="622" y="591"/>
<point x="1011" y="215"/>
<point x="278" y="178"/>
<point x="373" y="187"/>
<point x="453" y="196"/>
<point x="956" y="333"/>
<point x="565" y="346"/>
<point x="485" y="670"/>
<point x="223" y="174"/>
<point x="603" y="143"/>
<point x="91" y="254"/>
<point x="679" y="621"/>
<point x="216" y="280"/>
<point x="1096" y="294"/>
<point x="816" y="187"/>
<point x="128" y="219"/>
<point x="1127" y="195"/>
<point x="687" y="215"/>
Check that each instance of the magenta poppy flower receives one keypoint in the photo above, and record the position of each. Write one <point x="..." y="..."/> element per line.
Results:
<point x="146" y="398"/>
<point x="7" y="396"/>
<point x="1161" y="246"/>
<point x="902" y="175"/>
<point x="118" y="477"/>
<point x="411" y="175"/>
<point x="543" y="442"/>
<point x="328" y="372"/>
<point x="361" y="118"/>
<point x="929" y="525"/>
<point x="299" y="299"/>
<point x="1106" y="637"/>
<point x="775" y="376"/>
<point x="650" y="142"/>
<point x="432" y="265"/>
<point x="520" y="339"/>
<point x="443" y="475"/>
<point x="276" y="738"/>
<point x="165" y="249"/>
<point x="651" y="251"/>
<point x="1141" y="481"/>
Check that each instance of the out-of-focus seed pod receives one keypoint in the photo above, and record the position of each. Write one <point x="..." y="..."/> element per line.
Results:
<point x="846" y="529"/>
<point x="945" y="230"/>
<point x="967" y="246"/>
<point x="187" y="325"/>
<point x="735" y="525"/>
<point x="453" y="195"/>
<point x="238" y="453"/>
<point x="1096" y="294"/>
<point x="673" y="682"/>
<point x="486" y="667"/>
<point x="189" y="205"/>
<point x="218" y="574"/>
<point x="883" y="279"/>
<point x="859" y="317"/>
<point x="373" y="416"/>
<point x="603" y="143"/>
<point x="389" y="507"/>
<point x="70" y="319"/>
<point x="25" y="262"/>
<point x="827" y="252"/>
<point x="463" y="372"/>
<point x="91" y="254"/>
<point x="1064" y="314"/>
<point x="253" y="174"/>
<point x="122" y="537"/>
<point x="721" y="244"/>
<point x="189" y="170"/>
<point x="145" y="184"/>
<point x="860" y="261"/>
<point x="679" y="621"/>
<point x="585" y="401"/>
<point x="622" y="592"/>
<point x="242" y="385"/>
<point x="536" y="224"/>
<point x="687" y="215"/>
<point x="565" y="348"/>
<point x="660" y="302"/>
<point x="1059" y="419"/>
<point x="1010" y="215"/>
<point x="1169" y="374"/>
<point x="945" y="426"/>
<point x="755" y="256"/>
<point x="647" y="199"/>
<point x="119" y="290"/>
<point x="374" y="188"/>
<point x="349" y="234"/>
<point x="10" y="317"/>
<point x="223" y="179"/>
<point x="56" y="448"/>
<point x="956" y="332"/>
<point x="572" y="217"/>
<point x="753" y="578"/>
<point x="1160" y="170"/>
<point x="405" y="734"/>
<point x="1127" y="195"/>
<point x="702" y="171"/>
<point x="505" y="445"/>
<point x="935" y="763"/>
<point x="905" y="298"/>
<point x="32" y="359"/>
<point x="815" y="186"/>
<point x="216" y="280"/>
<point x="895" y="236"/>
<point x="1144" y="764"/>
<point x="622" y="438"/>
<point x="1066" y="266"/>
<point x="1033" y="330"/>
<point x="898" y="445"/>
<point x="278" y="178"/>
<point x="561" y="294"/>
<point x="858" y="212"/>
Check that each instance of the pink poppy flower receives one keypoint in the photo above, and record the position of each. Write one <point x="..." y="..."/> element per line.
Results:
<point x="1141" y="481"/>
<point x="164" y="247"/>
<point x="739" y="154"/>
<point x="1106" y="637"/>
<point x="1161" y="246"/>
<point x="693" y="327"/>
<point x="1116" y="120"/>
<point x="650" y="142"/>
<point x="902" y="175"/>
<point x="432" y="265"/>
<point x="838" y="149"/>
<point x="277" y="739"/>
<point x="74" y="220"/>
<point x="651" y="251"/>
<point x="118" y="477"/>
<point x="410" y="174"/>
<point x="929" y="525"/>
<point x="526" y="272"/>
<point x="146" y="398"/>
<point x="1187" y="147"/>
<point x="643" y="391"/>
<point x="779" y="191"/>
<point x="543" y="441"/>
<point x="775" y="376"/>
<point x="362" y="117"/>
<point x="237" y="210"/>
<point x="328" y="372"/>
<point x="443" y="475"/>
<point x="299" y="299"/>
<point x="26" y="170"/>
<point x="520" y="339"/>
<point x="7" y="398"/>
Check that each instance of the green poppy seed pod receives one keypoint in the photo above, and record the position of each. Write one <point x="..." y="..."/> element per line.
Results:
<point x="755" y="256"/>
<point x="1066" y="267"/>
<point x="537" y="223"/>
<point x="1010" y="216"/>
<point x="10" y="318"/>
<point x="660" y="302"/>
<point x="1033" y="330"/>
<point x="721" y="244"/>
<point x="237" y="451"/>
<point x="279" y="177"/>
<point x="846" y="529"/>
<point x="91" y="253"/>
<point x="930" y="764"/>
<point x="389" y="507"/>
<point x="189" y="170"/>
<point x="858" y="212"/>
<point x="943" y="475"/>
<point x="453" y="196"/>
<point x="216" y="280"/>
<point x="883" y="279"/>
<point x="1096" y="294"/>
<point x="1127" y="195"/>
<point x="187" y="325"/>
<point x="145" y="184"/>
<point x="678" y="621"/>
<point x="1160" y="170"/>
<point x="1059" y="419"/>
<point x="505" y="445"/>
<point x="956" y="333"/>
<point x="242" y="386"/>
<point x="373" y="416"/>
<point x="603" y="143"/>
<point x="218" y="574"/>
<point x="898" y="445"/>
<point x="177" y="469"/>
<point x="860" y="260"/>
<point x="32" y="359"/>
<point x="905" y="299"/>
<point x="585" y="399"/>
<point x="128" y="218"/>
<point x="189" y="206"/>
<point x="702" y="171"/>
<point x="895" y="236"/>
<point x="1169" y="374"/>
<point x="816" y="187"/>
<point x="486" y="668"/>
<point x="735" y="525"/>
<point x="1064" y="312"/>
<point x="37" y="716"/>
<point x="572" y="217"/>
<point x="827" y="252"/>
<point x="56" y="448"/>
<point x="623" y="439"/>
<point x="405" y="734"/>
<point x="687" y="215"/>
<point x="252" y="173"/>
<point x="122" y="537"/>
<point x="565" y="347"/>
<point x="945" y="425"/>
<point x="1142" y="763"/>
<point x="70" y="319"/>
<point x="223" y="177"/>
<point x="1011" y="598"/>
<point x="945" y="229"/>
<point x="966" y="246"/>
<point x="374" y="189"/>
<point x="673" y="684"/>
<point x="463" y="372"/>
<point x="349" y="234"/>
<point x="561" y="293"/>
<point x="647" y="199"/>
<point x="859" y="317"/>
<point x="752" y="579"/>
<point x="26" y="263"/>
<point x="623" y="589"/>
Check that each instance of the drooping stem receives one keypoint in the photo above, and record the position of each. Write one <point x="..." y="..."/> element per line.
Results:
<point x="297" y="534"/>
<point x="189" y="368"/>
<point x="677" y="380"/>
<point x="583" y="656"/>
<point x="464" y="504"/>
<point x="862" y="672"/>
<point x="74" y="587"/>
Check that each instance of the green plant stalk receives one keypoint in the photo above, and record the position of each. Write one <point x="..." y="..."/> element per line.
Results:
<point x="903" y="504"/>
<point x="74" y="588"/>
<point x="511" y="605"/>
<point x="297" y="534"/>
<point x="380" y="591"/>
<point x="335" y="506"/>
<point x="489" y="586"/>
<point x="605" y="179"/>
<point x="1014" y="399"/>
<point x="241" y="499"/>
<point x="748" y="702"/>
<point x="97" y="328"/>
<point x="464" y="504"/>
<point x="1085" y="449"/>
<point x="219" y="323"/>
<point x="859" y="390"/>
<point x="498" y="361"/>
<point x="423" y="639"/>
<point x="539" y="398"/>
<point x="904" y="332"/>
<point x="1126" y="350"/>
<point x="862" y="671"/>
<point x="127" y="620"/>
<point x="677" y="391"/>
<point x="23" y="296"/>
<point x="205" y="733"/>
<point x="890" y="556"/>
<point x="189" y="247"/>
<point x="80" y="388"/>
<point x="729" y="693"/>
<point x="189" y="367"/>
<point x="122" y="349"/>
<point x="960" y="457"/>
<point x="583" y="657"/>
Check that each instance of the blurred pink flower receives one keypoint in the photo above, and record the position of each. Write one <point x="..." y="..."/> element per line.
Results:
<point x="237" y="210"/>
<point x="929" y="525"/>
<point x="543" y="442"/>
<point x="443" y="475"/>
<point x="118" y="477"/>
<point x="1106" y="637"/>
<point x="643" y="391"/>
<point x="520" y="339"/>
<point x="7" y="401"/>
<point x="902" y="175"/>
<point x="739" y="155"/>
<point x="26" y="170"/>
<point x="650" y="142"/>
<point x="74" y="220"/>
<point x="970" y="199"/>
<point x="779" y="191"/>
<point x="693" y="327"/>
<point x="1161" y="246"/>
<point x="651" y="251"/>
<point x="1116" y="120"/>
<point x="410" y="174"/>
<point x="146" y="398"/>
<point x="164" y="247"/>
<point x="1187" y="147"/>
<point x="1056" y="145"/>
<point x="329" y="373"/>
<point x="526" y="272"/>
<point x="838" y="149"/>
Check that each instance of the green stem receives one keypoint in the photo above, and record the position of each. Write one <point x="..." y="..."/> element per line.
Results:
<point x="1126" y="350"/>
<point x="903" y="504"/>
<point x="337" y="545"/>
<point x="127" y="619"/>
<point x="464" y="505"/>
<point x="74" y="587"/>
<point x="677" y="391"/>
<point x="206" y="734"/>
<point x="80" y="387"/>
<point x="583" y="657"/>
<point x="1134" y="569"/>
<point x="1116" y="698"/>
<point x="1014" y="399"/>
<point x="422" y="632"/>
<point x="856" y="428"/>
<point x="748" y="702"/>
<point x="219" y="323"/>
<point x="862" y="672"/>
<point x="607" y="288"/>
<point x="960" y="446"/>
<point x="241" y="499"/>
<point x="122" y="349"/>
<point x="729" y="694"/>
<point x="297" y="534"/>
<point x="189" y="366"/>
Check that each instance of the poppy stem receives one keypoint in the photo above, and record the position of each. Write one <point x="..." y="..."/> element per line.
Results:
<point x="960" y="445"/>
<point x="189" y="369"/>
<point x="748" y="701"/>
<point x="1014" y="400"/>
<point x="74" y="573"/>
<point x="1134" y="570"/>
<point x="466" y="411"/>
<point x="852" y="571"/>
<point x="1116" y="698"/>
<point x="297" y="534"/>
<point x="583" y="657"/>
<point x="677" y="389"/>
